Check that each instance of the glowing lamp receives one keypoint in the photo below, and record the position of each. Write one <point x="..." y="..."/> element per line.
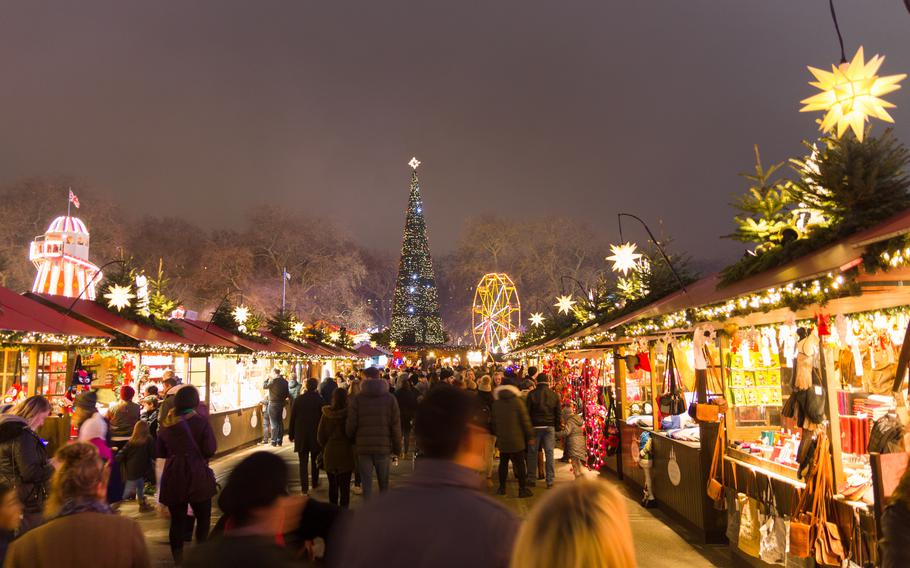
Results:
<point x="241" y="314"/>
<point x="624" y="257"/>
<point x="118" y="297"/>
<point x="851" y="93"/>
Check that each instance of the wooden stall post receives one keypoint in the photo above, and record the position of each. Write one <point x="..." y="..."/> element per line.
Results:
<point x="655" y="413"/>
<point x="833" y="414"/>
<point x="32" y="371"/>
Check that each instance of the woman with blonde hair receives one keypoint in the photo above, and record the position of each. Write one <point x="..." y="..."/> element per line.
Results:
<point x="581" y="525"/>
<point x="24" y="463"/>
<point x="79" y="519"/>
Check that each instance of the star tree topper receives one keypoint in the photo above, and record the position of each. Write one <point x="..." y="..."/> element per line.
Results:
<point x="851" y="93"/>
<point x="414" y="163"/>
<point x="624" y="257"/>
<point x="564" y="303"/>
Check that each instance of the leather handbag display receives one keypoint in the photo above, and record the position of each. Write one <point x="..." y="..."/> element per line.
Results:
<point x="672" y="402"/>
<point x="716" y="476"/>
<point x="803" y="521"/>
<point x="829" y="550"/>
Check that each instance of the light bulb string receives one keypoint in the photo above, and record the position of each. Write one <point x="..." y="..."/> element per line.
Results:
<point x="840" y="38"/>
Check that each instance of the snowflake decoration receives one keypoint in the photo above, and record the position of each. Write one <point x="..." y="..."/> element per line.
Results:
<point x="851" y="93"/>
<point x="624" y="257"/>
<point x="118" y="297"/>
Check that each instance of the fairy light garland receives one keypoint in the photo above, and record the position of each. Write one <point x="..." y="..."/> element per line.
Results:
<point x="185" y="348"/>
<point x="35" y="338"/>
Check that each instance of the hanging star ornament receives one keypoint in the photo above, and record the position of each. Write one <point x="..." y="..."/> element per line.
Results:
<point x="537" y="319"/>
<point x="624" y="257"/>
<point x="118" y="297"/>
<point x="297" y="328"/>
<point x="851" y="93"/>
<point x="241" y="314"/>
<point x="414" y="163"/>
<point x="564" y="303"/>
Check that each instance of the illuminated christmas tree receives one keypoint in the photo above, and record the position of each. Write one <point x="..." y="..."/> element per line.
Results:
<point x="415" y="316"/>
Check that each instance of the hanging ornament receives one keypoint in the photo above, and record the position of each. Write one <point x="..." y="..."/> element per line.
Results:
<point x="624" y="257"/>
<point x="118" y="297"/>
<point x="241" y="314"/>
<point x="564" y="303"/>
<point x="537" y="319"/>
<point x="334" y="336"/>
<point x="297" y="328"/>
<point x="851" y="93"/>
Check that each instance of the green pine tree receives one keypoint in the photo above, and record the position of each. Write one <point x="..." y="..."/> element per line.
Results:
<point x="415" y="314"/>
<point x="764" y="212"/>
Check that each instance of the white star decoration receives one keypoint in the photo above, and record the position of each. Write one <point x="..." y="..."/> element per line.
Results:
<point x="624" y="257"/>
<point x="334" y="336"/>
<point x="851" y="93"/>
<point x="119" y="297"/>
<point x="537" y="319"/>
<point x="241" y="314"/>
<point x="564" y="303"/>
<point x="297" y="327"/>
<point x="414" y="163"/>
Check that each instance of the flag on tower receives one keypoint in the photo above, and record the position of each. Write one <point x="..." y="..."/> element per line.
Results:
<point x="73" y="199"/>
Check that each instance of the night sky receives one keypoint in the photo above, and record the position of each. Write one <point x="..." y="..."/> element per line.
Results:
<point x="205" y="108"/>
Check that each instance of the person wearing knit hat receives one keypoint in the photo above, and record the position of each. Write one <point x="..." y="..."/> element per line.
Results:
<point x="124" y="415"/>
<point x="92" y="426"/>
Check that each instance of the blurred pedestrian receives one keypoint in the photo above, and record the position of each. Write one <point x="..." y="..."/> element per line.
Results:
<point x="81" y="529"/>
<point x="896" y="526"/>
<point x="23" y="459"/>
<point x="485" y="398"/>
<point x="186" y="442"/>
<point x="169" y="382"/>
<point x="574" y="434"/>
<point x="328" y="386"/>
<point x="580" y="524"/>
<point x="123" y="416"/>
<point x="513" y="432"/>
<point x="149" y="414"/>
<point x="338" y="452"/>
<point x="137" y="464"/>
<point x="374" y="423"/>
<point x="293" y="387"/>
<point x="11" y="511"/>
<point x="407" y="397"/>
<point x="305" y="415"/>
<point x="277" y="386"/>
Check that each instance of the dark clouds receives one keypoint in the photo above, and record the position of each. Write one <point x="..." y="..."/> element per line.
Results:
<point x="578" y="108"/>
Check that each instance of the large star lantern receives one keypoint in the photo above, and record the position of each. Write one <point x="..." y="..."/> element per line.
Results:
<point x="624" y="257"/>
<point x="564" y="303"/>
<point x="851" y="93"/>
<point x="241" y="314"/>
<point x="297" y="328"/>
<point x="537" y="319"/>
<point x="118" y="297"/>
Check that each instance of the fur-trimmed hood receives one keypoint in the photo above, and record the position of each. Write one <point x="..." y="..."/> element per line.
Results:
<point x="506" y="391"/>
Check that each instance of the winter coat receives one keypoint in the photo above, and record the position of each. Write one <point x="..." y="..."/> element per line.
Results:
<point x="122" y="417"/>
<point x="294" y="389"/>
<point x="136" y="461"/>
<point x="485" y="416"/>
<point x="326" y="389"/>
<point x="896" y="534"/>
<point x="305" y="415"/>
<point x="374" y="421"/>
<point x="338" y="455"/>
<point x="278" y="390"/>
<point x="23" y="462"/>
<point x="544" y="408"/>
<point x="574" y="433"/>
<point x="511" y="424"/>
<point x="240" y="552"/>
<point x="91" y="539"/>
<point x="407" y="402"/>
<point x="186" y="443"/>
<point x="151" y="418"/>
<point x="455" y="524"/>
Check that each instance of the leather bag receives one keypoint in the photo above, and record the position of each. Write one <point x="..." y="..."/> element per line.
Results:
<point x="829" y="550"/>
<point x="716" y="486"/>
<point x="672" y="402"/>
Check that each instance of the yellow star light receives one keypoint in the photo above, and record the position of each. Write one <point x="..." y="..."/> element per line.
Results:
<point x="241" y="314"/>
<point x="297" y="328"/>
<point x="564" y="303"/>
<point x="624" y="257"/>
<point x="118" y="297"/>
<point x="537" y="319"/>
<point x="851" y="93"/>
<point x="334" y="336"/>
<point x="414" y="163"/>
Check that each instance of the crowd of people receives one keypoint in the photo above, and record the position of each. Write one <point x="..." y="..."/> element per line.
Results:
<point x="351" y="428"/>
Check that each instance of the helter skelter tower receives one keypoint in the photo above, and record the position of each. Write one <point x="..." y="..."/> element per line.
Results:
<point x="61" y="257"/>
<point x="415" y="314"/>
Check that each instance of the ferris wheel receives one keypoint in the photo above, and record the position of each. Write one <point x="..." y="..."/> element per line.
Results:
<point x="496" y="314"/>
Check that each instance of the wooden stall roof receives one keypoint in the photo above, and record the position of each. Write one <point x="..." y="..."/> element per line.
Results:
<point x="19" y="313"/>
<point x="247" y="344"/>
<point x="98" y="316"/>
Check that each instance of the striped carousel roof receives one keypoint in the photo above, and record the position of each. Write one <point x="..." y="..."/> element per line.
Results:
<point x="67" y="224"/>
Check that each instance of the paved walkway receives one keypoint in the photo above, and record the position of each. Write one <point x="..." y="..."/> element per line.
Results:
<point x="657" y="539"/>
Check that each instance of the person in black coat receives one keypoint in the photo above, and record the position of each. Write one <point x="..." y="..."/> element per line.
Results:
<point x="23" y="459"/>
<point x="305" y="415"/>
<point x="896" y="526"/>
<point x="407" y="397"/>
<point x="278" y="394"/>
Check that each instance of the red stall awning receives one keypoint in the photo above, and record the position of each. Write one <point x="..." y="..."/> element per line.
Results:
<point x="33" y="322"/>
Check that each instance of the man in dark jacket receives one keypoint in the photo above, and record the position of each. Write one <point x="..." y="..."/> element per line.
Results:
<point x="277" y="387"/>
<point x="374" y="423"/>
<point x="24" y="465"/>
<point x="450" y="522"/>
<point x="326" y="389"/>
<point x="513" y="432"/>
<point x="305" y="415"/>
<point x="546" y="417"/>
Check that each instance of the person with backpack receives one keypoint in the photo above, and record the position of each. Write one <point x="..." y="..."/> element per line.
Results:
<point x="137" y="463"/>
<point x="545" y="411"/>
